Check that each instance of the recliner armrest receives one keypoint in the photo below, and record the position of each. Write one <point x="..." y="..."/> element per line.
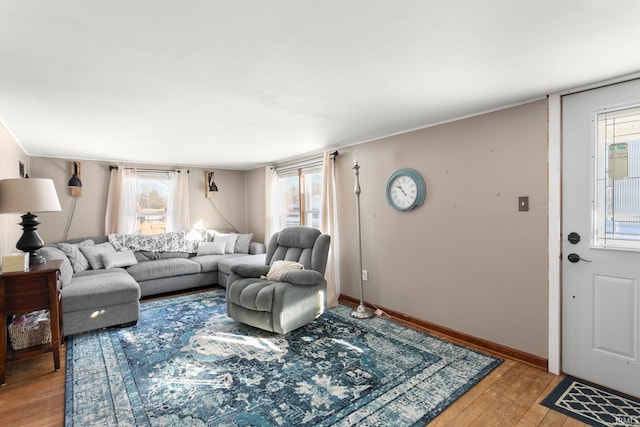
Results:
<point x="250" y="270"/>
<point x="302" y="277"/>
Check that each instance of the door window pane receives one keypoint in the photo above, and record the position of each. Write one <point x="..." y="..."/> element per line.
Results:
<point x="617" y="194"/>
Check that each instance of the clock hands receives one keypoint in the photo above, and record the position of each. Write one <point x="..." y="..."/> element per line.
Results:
<point x="401" y="189"/>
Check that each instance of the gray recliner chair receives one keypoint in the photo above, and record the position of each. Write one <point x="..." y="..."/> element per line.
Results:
<point x="297" y="298"/>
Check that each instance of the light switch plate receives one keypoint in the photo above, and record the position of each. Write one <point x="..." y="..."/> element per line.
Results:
<point x="523" y="203"/>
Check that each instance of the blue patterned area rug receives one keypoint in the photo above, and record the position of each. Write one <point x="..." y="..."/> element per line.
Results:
<point x="593" y="404"/>
<point x="187" y="364"/>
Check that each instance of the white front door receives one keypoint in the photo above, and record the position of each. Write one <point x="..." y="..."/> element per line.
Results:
<point x="601" y="236"/>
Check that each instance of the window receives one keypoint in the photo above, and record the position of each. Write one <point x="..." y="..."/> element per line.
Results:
<point x="152" y="198"/>
<point x="617" y="194"/>
<point x="147" y="201"/>
<point x="298" y="195"/>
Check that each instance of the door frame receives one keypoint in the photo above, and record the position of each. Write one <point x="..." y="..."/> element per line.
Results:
<point x="554" y="106"/>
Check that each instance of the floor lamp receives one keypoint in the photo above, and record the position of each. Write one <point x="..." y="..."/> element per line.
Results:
<point x="362" y="312"/>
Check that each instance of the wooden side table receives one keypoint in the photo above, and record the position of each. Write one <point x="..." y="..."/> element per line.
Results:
<point x="24" y="292"/>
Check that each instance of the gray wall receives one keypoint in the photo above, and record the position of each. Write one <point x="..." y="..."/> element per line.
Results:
<point x="256" y="182"/>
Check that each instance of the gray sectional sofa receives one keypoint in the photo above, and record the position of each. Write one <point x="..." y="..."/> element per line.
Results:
<point x="104" y="277"/>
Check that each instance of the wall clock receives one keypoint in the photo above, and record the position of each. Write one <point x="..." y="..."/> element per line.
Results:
<point x="406" y="189"/>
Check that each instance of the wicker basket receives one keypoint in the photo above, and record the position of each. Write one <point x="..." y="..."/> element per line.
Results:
<point x="22" y="338"/>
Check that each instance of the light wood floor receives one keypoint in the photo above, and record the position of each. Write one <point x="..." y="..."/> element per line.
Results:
<point x="509" y="396"/>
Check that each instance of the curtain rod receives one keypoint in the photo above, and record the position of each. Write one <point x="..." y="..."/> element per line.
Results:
<point x="301" y="164"/>
<point x="112" y="167"/>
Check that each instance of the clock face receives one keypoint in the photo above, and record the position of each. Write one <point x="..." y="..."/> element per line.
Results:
<point x="403" y="192"/>
<point x="406" y="190"/>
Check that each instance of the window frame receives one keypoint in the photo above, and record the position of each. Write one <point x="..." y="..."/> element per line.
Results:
<point x="305" y="203"/>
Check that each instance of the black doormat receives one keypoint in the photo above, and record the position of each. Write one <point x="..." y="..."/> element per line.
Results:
<point x="593" y="404"/>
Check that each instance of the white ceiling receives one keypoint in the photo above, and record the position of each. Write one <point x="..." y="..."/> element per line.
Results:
<point x="240" y="84"/>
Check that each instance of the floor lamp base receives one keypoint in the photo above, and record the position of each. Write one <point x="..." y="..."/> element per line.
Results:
<point x="362" y="312"/>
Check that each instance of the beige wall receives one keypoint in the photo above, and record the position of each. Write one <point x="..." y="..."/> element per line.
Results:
<point x="256" y="200"/>
<point x="467" y="259"/>
<point x="88" y="219"/>
<point x="10" y="155"/>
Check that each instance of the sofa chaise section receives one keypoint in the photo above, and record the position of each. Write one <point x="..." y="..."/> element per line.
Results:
<point x="98" y="299"/>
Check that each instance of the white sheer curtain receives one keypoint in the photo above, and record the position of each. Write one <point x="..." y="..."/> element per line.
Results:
<point x="120" y="215"/>
<point x="274" y="204"/>
<point x="329" y="225"/>
<point x="178" y="203"/>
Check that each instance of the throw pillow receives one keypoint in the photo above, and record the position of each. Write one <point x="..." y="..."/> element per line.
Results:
<point x="211" y="248"/>
<point x="145" y="256"/>
<point x="279" y="267"/>
<point x="94" y="254"/>
<point x="169" y="255"/>
<point x="228" y="239"/>
<point x="51" y="253"/>
<point x="77" y="259"/>
<point x="242" y="243"/>
<point x="118" y="259"/>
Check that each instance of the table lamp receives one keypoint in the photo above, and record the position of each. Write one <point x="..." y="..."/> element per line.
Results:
<point x="29" y="195"/>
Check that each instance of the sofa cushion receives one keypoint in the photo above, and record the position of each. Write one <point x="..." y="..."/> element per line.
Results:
<point x="94" y="253"/>
<point x="242" y="243"/>
<point x="229" y="261"/>
<point x="86" y="273"/>
<point x="208" y="263"/>
<point x="211" y="248"/>
<point x="150" y="270"/>
<point x="77" y="259"/>
<point x="228" y="239"/>
<point x="119" y="259"/>
<point x="151" y="256"/>
<point x="102" y="289"/>
<point x="51" y="253"/>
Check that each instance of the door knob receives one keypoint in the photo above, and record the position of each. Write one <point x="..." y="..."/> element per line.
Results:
<point x="576" y="258"/>
<point x="573" y="237"/>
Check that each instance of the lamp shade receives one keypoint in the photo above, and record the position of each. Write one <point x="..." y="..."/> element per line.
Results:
<point x="75" y="181"/>
<point x="21" y="195"/>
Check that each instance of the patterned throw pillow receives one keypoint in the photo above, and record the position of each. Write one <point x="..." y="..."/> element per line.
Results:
<point x="242" y="243"/>
<point x="279" y="267"/>
<point x="77" y="259"/>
